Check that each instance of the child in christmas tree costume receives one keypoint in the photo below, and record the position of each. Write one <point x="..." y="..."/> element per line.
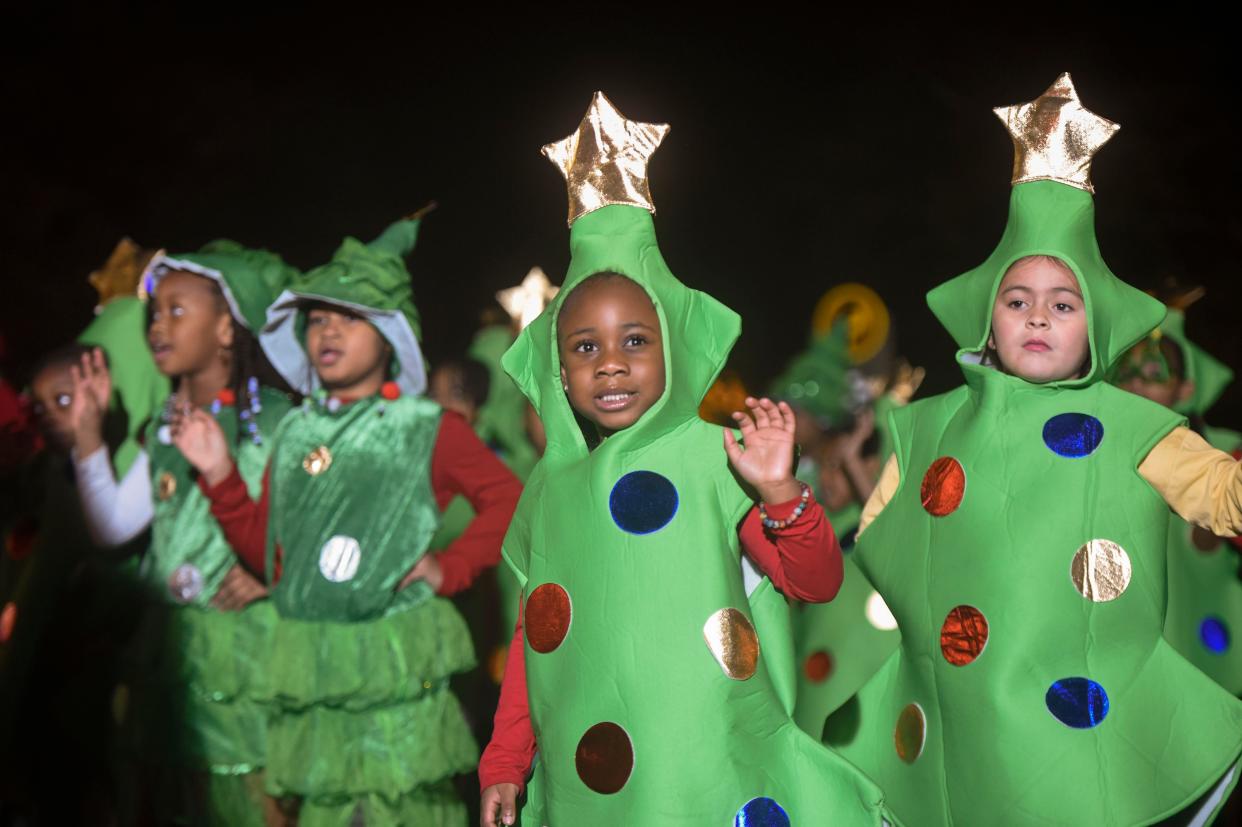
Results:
<point x="1020" y="541"/>
<point x="199" y="661"/>
<point x="364" y="725"/>
<point x="648" y="694"/>
<point x="1205" y="593"/>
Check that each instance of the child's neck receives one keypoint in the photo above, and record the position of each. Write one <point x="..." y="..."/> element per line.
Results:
<point x="368" y="386"/>
<point x="201" y="388"/>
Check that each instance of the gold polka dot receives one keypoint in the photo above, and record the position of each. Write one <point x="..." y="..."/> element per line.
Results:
<point x="910" y="733"/>
<point x="167" y="485"/>
<point x="317" y="461"/>
<point x="1100" y="570"/>
<point x="733" y="642"/>
<point x="426" y="684"/>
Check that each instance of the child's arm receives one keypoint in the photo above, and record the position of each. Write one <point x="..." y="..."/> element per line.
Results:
<point x="462" y="464"/>
<point x="1201" y="483"/>
<point x="890" y="478"/>
<point x="803" y="559"/>
<point x="509" y="754"/>
<point x="243" y="521"/>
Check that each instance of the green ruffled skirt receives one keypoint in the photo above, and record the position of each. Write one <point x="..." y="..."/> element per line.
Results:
<point x="362" y="716"/>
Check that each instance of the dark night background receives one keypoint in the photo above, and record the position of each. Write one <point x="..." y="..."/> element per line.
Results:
<point x="804" y="152"/>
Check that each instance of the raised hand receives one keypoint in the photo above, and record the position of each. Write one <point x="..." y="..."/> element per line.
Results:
<point x="765" y="459"/>
<point x="92" y="388"/>
<point x="238" y="589"/>
<point x="200" y="439"/>
<point x="499" y="806"/>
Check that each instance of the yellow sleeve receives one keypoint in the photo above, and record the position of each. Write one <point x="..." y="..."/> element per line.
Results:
<point x="1201" y="483"/>
<point x="890" y="478"/>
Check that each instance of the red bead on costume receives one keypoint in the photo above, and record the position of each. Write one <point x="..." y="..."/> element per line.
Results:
<point x="390" y="391"/>
<point x="226" y="396"/>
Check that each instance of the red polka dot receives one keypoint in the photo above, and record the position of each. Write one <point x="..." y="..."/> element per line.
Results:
<point x="547" y="617"/>
<point x="963" y="635"/>
<point x="605" y="758"/>
<point x="818" y="666"/>
<point x="943" y="487"/>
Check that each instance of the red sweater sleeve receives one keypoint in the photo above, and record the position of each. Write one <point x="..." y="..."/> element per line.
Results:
<point x="243" y="520"/>
<point x="462" y="464"/>
<point x="804" y="559"/>
<point x="511" y="751"/>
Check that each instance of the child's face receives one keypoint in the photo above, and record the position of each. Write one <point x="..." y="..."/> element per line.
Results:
<point x="190" y="327"/>
<point x="1145" y="378"/>
<point x="1039" y="322"/>
<point x="611" y="351"/>
<point x="52" y="393"/>
<point x="345" y="349"/>
<point x="447" y="390"/>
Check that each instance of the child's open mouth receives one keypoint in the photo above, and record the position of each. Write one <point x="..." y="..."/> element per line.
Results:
<point x="329" y="356"/>
<point x="160" y="351"/>
<point x="615" y="400"/>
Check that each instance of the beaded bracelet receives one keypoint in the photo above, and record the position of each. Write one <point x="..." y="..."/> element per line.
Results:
<point x="776" y="525"/>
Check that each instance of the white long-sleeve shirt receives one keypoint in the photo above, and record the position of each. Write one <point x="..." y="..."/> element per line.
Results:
<point x="116" y="512"/>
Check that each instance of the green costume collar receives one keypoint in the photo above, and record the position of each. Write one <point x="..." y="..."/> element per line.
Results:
<point x="368" y="279"/>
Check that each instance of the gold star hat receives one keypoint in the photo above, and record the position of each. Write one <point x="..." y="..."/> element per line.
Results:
<point x="604" y="164"/>
<point x="1052" y="212"/>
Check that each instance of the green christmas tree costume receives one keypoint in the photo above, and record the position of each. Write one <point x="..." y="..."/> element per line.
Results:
<point x="364" y="722"/>
<point x="1024" y="558"/>
<point x="652" y="700"/>
<point x="1205" y="593"/>
<point x="198" y="673"/>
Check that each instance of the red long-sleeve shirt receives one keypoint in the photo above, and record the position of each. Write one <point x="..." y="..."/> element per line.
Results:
<point x="460" y="464"/>
<point x="802" y="560"/>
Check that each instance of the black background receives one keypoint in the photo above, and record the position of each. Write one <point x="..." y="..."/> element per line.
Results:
<point x="804" y="151"/>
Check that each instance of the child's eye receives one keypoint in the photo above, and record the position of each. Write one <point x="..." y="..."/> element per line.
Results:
<point x="314" y="321"/>
<point x="635" y="340"/>
<point x="1016" y="304"/>
<point x="1063" y="307"/>
<point x="63" y="400"/>
<point x="177" y="310"/>
<point x="585" y="346"/>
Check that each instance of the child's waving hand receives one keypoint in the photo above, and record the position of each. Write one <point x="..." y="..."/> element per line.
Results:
<point x="200" y="439"/>
<point x="765" y="459"/>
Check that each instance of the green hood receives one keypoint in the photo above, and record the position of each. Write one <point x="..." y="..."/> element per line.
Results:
<point x="369" y="279"/>
<point x="502" y="418"/>
<point x="698" y="333"/>
<point x="249" y="279"/>
<point x="817" y="380"/>
<point x="1050" y="218"/>
<point x="1210" y="375"/>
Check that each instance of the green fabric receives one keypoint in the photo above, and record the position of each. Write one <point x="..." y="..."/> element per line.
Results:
<point x="502" y="418"/>
<point x="704" y="744"/>
<point x="1048" y="218"/>
<point x="435" y="805"/>
<point x="855" y="647"/>
<point x="250" y="279"/>
<point x="994" y="752"/>
<point x="361" y="709"/>
<point x="138" y="388"/>
<point x="381" y="467"/>
<point x="1210" y="375"/>
<point x="817" y="380"/>
<point x="369" y="279"/>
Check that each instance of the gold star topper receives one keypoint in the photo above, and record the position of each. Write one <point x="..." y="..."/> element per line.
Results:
<point x="121" y="274"/>
<point x="525" y="302"/>
<point x="605" y="161"/>
<point x="1055" y="136"/>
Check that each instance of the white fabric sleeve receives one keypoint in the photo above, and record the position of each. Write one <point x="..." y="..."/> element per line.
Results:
<point x="115" y="512"/>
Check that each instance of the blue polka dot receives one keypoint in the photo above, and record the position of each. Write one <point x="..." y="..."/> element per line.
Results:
<point x="761" y="812"/>
<point x="642" y="502"/>
<point x="1214" y="634"/>
<point x="1077" y="702"/>
<point x="1073" y="435"/>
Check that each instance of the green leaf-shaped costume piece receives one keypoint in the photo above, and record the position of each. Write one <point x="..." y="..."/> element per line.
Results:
<point x="362" y="717"/>
<point x="199" y="672"/>
<point x="1024" y="559"/>
<point x="629" y="557"/>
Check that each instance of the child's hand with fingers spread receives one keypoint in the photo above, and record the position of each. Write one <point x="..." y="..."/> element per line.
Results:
<point x="199" y="438"/>
<point x="92" y="388"/>
<point x="499" y="806"/>
<point x="765" y="459"/>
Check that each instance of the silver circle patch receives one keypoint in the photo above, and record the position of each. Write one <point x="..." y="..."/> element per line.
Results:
<point x="338" y="559"/>
<point x="185" y="583"/>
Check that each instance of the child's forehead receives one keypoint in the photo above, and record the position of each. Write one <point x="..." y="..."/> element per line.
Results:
<point x="1043" y="273"/>
<point x="183" y="281"/>
<point x="606" y="294"/>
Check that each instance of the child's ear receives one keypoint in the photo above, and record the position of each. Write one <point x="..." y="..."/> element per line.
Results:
<point x="224" y="330"/>
<point x="992" y="341"/>
<point x="1186" y="391"/>
<point x="564" y="379"/>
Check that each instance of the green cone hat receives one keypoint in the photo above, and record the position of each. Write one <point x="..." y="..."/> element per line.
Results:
<point x="1052" y="212"/>
<point x="817" y="380"/>
<point x="369" y="279"/>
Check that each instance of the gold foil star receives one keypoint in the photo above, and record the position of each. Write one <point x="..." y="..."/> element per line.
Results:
<point x="122" y="272"/>
<point x="1055" y="136"/>
<point x="605" y="161"/>
<point x="525" y="302"/>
